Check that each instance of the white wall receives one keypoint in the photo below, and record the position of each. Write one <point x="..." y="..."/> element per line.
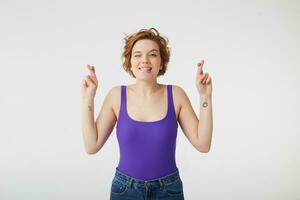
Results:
<point x="251" y="50"/>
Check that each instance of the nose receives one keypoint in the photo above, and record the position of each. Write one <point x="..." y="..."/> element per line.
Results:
<point x="144" y="59"/>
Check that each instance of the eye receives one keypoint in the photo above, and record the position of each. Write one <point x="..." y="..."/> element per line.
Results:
<point x="137" y="55"/>
<point x="153" y="54"/>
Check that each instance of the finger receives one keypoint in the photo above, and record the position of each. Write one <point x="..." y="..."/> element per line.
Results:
<point x="200" y="68"/>
<point x="201" y="62"/>
<point x="200" y="76"/>
<point x="205" y="78"/>
<point x="92" y="69"/>
<point x="208" y="80"/>
<point x="205" y="81"/>
<point x="94" y="79"/>
<point x="200" y="71"/>
<point x="89" y="80"/>
<point x="92" y="72"/>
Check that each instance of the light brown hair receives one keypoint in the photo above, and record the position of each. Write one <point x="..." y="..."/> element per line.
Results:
<point x="151" y="34"/>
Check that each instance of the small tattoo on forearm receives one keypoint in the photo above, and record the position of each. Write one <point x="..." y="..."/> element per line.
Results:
<point x="90" y="108"/>
<point x="205" y="104"/>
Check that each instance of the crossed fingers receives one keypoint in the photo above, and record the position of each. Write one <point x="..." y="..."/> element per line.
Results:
<point x="204" y="77"/>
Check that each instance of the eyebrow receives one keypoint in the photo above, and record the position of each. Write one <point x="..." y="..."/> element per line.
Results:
<point x="149" y="51"/>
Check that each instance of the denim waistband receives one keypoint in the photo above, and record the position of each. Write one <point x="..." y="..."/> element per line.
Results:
<point x="165" y="180"/>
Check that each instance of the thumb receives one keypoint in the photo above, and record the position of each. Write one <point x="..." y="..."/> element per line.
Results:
<point x="84" y="84"/>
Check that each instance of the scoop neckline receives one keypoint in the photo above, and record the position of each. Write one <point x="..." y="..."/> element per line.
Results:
<point x="149" y="122"/>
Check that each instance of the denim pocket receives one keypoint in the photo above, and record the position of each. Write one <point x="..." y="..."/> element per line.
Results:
<point x="175" y="188"/>
<point x="118" y="187"/>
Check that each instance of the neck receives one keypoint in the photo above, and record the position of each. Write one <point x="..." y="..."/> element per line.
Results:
<point x="146" y="88"/>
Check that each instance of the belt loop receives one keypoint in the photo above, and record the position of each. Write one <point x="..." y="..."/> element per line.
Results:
<point x="130" y="182"/>
<point x="161" y="184"/>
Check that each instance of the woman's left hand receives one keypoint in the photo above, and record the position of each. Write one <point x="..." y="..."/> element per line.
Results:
<point x="203" y="81"/>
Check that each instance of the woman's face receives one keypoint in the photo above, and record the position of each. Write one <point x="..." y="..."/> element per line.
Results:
<point x="145" y="59"/>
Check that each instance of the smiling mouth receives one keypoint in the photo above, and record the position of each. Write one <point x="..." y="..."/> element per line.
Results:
<point x="146" y="69"/>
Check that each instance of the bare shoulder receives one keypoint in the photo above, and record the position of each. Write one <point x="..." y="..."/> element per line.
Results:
<point x="114" y="96"/>
<point x="114" y="91"/>
<point x="180" y="98"/>
<point x="178" y="89"/>
<point x="179" y="95"/>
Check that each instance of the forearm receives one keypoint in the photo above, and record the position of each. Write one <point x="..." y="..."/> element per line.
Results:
<point x="89" y="129"/>
<point x="205" y="126"/>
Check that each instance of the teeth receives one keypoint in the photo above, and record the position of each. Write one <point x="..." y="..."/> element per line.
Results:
<point x="145" y="68"/>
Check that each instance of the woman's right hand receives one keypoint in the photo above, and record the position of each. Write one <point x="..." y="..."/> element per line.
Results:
<point x="89" y="84"/>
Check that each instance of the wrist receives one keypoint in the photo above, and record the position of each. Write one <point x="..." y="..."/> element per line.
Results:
<point x="205" y="97"/>
<point x="88" y="100"/>
<point x="88" y="104"/>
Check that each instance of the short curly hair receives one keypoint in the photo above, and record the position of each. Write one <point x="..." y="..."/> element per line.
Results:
<point x="153" y="35"/>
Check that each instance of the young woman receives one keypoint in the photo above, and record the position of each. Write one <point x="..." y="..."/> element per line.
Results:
<point x="146" y="114"/>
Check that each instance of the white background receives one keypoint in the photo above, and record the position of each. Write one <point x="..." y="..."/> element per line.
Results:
<point x="251" y="50"/>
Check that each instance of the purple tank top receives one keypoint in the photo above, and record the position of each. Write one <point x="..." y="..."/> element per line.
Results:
<point x="147" y="149"/>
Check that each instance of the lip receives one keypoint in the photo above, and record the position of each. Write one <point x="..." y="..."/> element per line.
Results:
<point x="145" y="67"/>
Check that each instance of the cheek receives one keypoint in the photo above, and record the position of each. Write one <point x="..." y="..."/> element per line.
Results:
<point x="133" y="62"/>
<point x="158" y="61"/>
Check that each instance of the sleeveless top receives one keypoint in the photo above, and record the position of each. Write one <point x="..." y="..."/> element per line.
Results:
<point x="147" y="149"/>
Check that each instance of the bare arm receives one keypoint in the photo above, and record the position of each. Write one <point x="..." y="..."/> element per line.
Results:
<point x="96" y="133"/>
<point x="205" y="126"/>
<point x="197" y="131"/>
<point x="88" y="125"/>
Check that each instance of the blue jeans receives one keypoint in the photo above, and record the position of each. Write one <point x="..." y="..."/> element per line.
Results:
<point x="124" y="187"/>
